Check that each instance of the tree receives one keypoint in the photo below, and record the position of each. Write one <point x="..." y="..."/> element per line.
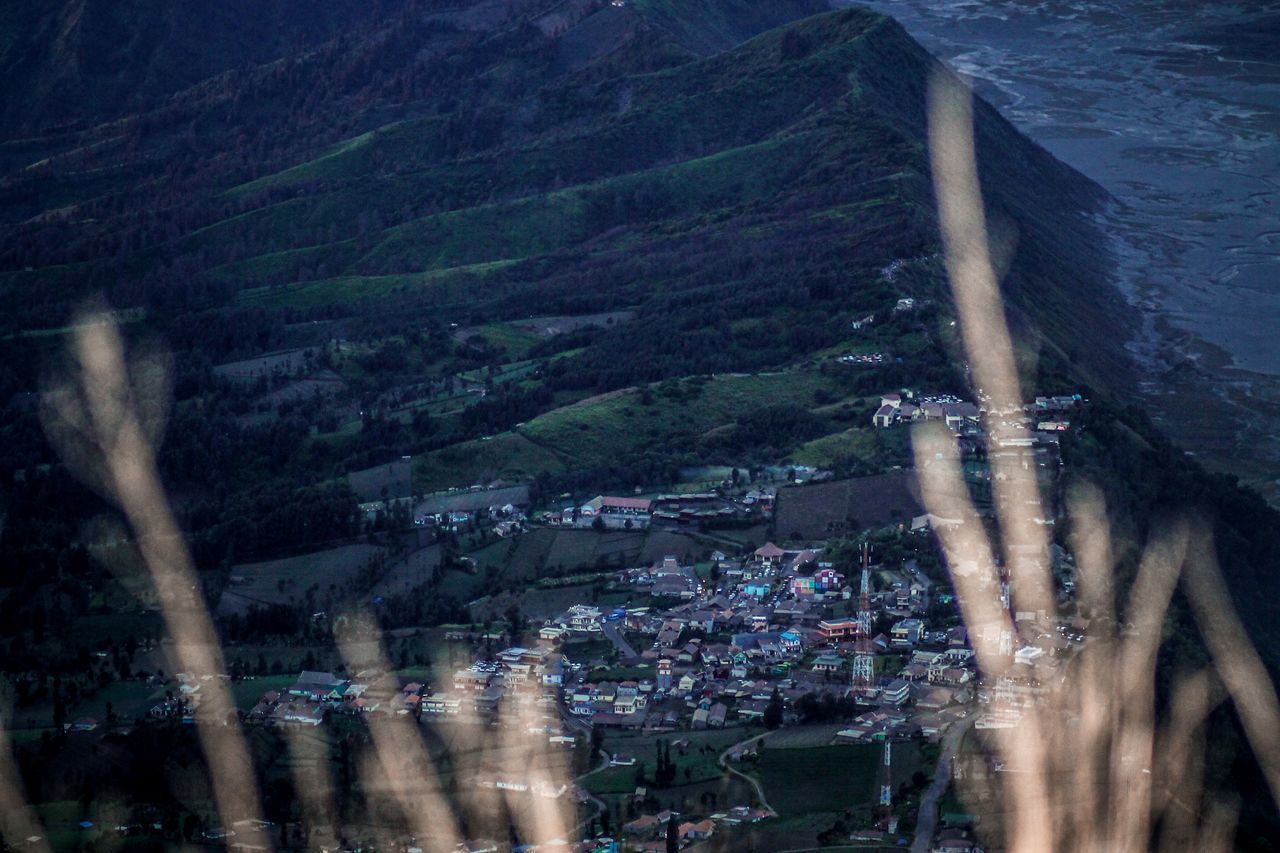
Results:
<point x="673" y="835"/>
<point x="773" y="711"/>
<point x="597" y="738"/>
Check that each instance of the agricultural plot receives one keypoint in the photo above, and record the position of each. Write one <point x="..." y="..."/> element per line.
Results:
<point x="825" y="452"/>
<point x="514" y="340"/>
<point x="547" y="327"/>
<point x="523" y="557"/>
<point x="830" y="778"/>
<point x="395" y="477"/>
<point x="126" y="699"/>
<point x="795" y="737"/>
<point x="660" y="543"/>
<point x="509" y="456"/>
<point x="470" y="501"/>
<point x="602" y="429"/>
<point x="744" y="537"/>
<point x="534" y="603"/>
<point x="323" y="384"/>
<point x="452" y="283"/>
<point x="822" y="510"/>
<point x="463" y="586"/>
<point x="408" y="574"/>
<point x="571" y="549"/>
<point x="508" y="372"/>
<point x="282" y="363"/>
<point x="549" y="552"/>
<point x="287" y="580"/>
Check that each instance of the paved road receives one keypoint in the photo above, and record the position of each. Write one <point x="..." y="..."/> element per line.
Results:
<point x="928" y="819"/>
<point x="572" y="720"/>
<point x="724" y="762"/>
<point x="625" y="652"/>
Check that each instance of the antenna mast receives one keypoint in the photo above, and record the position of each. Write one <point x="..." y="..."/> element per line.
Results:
<point x="886" y="784"/>
<point x="864" y="660"/>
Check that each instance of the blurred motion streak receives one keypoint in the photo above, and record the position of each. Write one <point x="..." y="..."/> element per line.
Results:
<point x="17" y="821"/>
<point x="406" y="769"/>
<point x="1099" y="766"/>
<point x="94" y="421"/>
<point x="1095" y="772"/>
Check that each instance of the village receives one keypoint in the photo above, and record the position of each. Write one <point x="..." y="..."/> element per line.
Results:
<point x="829" y="638"/>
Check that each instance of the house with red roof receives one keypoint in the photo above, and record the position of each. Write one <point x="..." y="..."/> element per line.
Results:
<point x="769" y="553"/>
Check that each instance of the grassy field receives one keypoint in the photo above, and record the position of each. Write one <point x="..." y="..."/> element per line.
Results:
<point x="288" y="579"/>
<point x="128" y="699"/>
<point x="285" y="362"/>
<point x="598" y="430"/>
<point x="469" y="501"/>
<point x="403" y="576"/>
<point x="551" y="552"/>
<point x="830" y="778"/>
<point x="513" y="339"/>
<point x="450" y="284"/>
<point x="247" y="692"/>
<point x="507" y="455"/>
<point x="621" y="673"/>
<point x="820" y="510"/>
<point x="396" y="477"/>
<point x="859" y="442"/>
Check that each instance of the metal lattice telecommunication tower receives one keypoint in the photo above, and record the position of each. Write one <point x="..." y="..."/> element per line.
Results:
<point x="886" y="784"/>
<point x="864" y="660"/>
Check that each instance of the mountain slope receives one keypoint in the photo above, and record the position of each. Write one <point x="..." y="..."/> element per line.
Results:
<point x="72" y="62"/>
<point x="424" y="146"/>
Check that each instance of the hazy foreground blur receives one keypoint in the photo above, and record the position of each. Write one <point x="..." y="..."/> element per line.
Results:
<point x="1091" y="762"/>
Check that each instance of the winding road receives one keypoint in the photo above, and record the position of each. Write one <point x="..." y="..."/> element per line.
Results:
<point x="601" y="808"/>
<point x="928" y="817"/>
<point x="750" y="780"/>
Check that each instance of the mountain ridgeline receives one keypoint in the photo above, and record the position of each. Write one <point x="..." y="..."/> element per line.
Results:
<point x="474" y="163"/>
<point x="582" y="244"/>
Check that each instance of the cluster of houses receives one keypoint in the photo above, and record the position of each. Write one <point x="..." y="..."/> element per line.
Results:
<point x="759" y="631"/>
<point x="1039" y="422"/>
<point x="669" y="511"/>
<point x="775" y="626"/>
<point x="506" y="519"/>
<point x="649" y="832"/>
<point x="863" y="358"/>
<point x="776" y="620"/>
<point x="961" y="416"/>
<point x="312" y="698"/>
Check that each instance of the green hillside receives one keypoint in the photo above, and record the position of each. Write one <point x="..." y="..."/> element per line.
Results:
<point x="730" y="182"/>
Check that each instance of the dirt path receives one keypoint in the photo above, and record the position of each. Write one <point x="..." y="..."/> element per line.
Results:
<point x="601" y="808"/>
<point x="750" y="780"/>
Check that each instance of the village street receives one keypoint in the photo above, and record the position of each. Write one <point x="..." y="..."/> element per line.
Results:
<point x="626" y="653"/>
<point x="928" y="815"/>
